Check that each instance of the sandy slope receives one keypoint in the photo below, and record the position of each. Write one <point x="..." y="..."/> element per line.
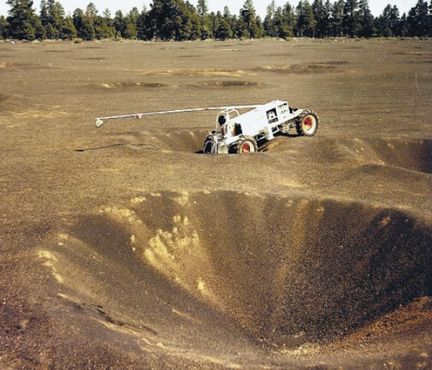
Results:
<point x="122" y="247"/>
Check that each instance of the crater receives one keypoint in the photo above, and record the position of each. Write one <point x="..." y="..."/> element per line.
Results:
<point x="91" y="58"/>
<point x="205" y="72"/>
<point x="56" y="51"/>
<point x="128" y="85"/>
<point x="299" y="68"/>
<point x="224" y="84"/>
<point x="190" y="56"/>
<point x="92" y="47"/>
<point x="14" y="66"/>
<point x="286" y="271"/>
<point x="414" y="155"/>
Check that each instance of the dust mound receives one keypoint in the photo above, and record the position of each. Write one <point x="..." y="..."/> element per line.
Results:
<point x="3" y="98"/>
<point x="13" y="103"/>
<point x="278" y="55"/>
<point x="56" y="51"/>
<point x="91" y="58"/>
<point x="286" y="270"/>
<point x="299" y="68"/>
<point x="128" y="85"/>
<point x="195" y="72"/>
<point x="414" y="155"/>
<point x="186" y="141"/>
<point x="92" y="47"/>
<point x="189" y="56"/>
<point x="224" y="84"/>
<point x="15" y="66"/>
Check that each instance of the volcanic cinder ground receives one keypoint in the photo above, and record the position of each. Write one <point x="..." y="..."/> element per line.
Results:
<point x="123" y="247"/>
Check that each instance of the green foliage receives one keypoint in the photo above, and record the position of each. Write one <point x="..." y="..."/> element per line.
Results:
<point x="68" y="31"/>
<point x="180" y="20"/>
<point x="202" y="8"/>
<point x="142" y="25"/>
<point x="3" y="27"/>
<point x="388" y="22"/>
<point x="23" y="23"/>
<point x="306" y="22"/>
<point x="419" y="19"/>
<point x="337" y="18"/>
<point x="322" y="12"/>
<point x="251" y="25"/>
<point x="84" y="23"/>
<point x="366" y="20"/>
<point x="351" y="19"/>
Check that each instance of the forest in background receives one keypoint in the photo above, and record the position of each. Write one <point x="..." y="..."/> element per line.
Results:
<point x="181" y="21"/>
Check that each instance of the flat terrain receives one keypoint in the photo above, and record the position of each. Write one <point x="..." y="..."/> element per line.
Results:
<point x="122" y="247"/>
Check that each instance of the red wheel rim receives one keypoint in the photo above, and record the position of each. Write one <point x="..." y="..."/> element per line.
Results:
<point x="245" y="148"/>
<point x="308" y="122"/>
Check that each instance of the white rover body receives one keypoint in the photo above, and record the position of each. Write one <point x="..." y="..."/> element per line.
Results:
<point x="247" y="132"/>
<point x="244" y="133"/>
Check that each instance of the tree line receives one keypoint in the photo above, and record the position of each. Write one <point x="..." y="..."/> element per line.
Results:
<point x="180" y="21"/>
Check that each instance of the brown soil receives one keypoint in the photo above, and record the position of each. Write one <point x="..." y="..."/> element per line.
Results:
<point x="123" y="247"/>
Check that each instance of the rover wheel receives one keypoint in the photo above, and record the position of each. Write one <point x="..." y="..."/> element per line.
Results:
<point x="307" y="123"/>
<point x="247" y="145"/>
<point x="209" y="145"/>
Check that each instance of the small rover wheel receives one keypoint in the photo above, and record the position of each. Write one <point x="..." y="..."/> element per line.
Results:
<point x="307" y="123"/>
<point x="247" y="145"/>
<point x="209" y="145"/>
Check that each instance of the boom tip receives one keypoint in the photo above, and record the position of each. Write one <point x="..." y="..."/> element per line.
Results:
<point x="99" y="122"/>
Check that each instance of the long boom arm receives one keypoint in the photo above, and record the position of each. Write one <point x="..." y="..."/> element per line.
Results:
<point x="100" y="121"/>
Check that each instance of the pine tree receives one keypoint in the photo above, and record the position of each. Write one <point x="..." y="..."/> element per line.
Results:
<point x="231" y="20"/>
<point x="404" y="27"/>
<point x="170" y="20"/>
<point x="306" y="22"/>
<point x="395" y="21"/>
<point x="119" y="24"/>
<point x="384" y="22"/>
<point x="429" y="24"/>
<point x="55" y="19"/>
<point x="3" y="27"/>
<point x="288" y="21"/>
<point x="337" y="18"/>
<point x="195" y="21"/>
<point x="131" y="19"/>
<point x="366" y="20"/>
<point x="251" y="28"/>
<point x="269" y="26"/>
<point x="351" y="18"/>
<point x="205" y="23"/>
<point x="68" y="31"/>
<point x="103" y="26"/>
<point x="418" y="19"/>
<point x="320" y="17"/>
<point x="23" y="23"/>
<point x="142" y="25"/>
<point x="44" y="16"/>
<point x="84" y="23"/>
<point x="202" y="8"/>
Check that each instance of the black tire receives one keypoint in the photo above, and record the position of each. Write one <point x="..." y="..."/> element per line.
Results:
<point x="246" y="144"/>
<point x="208" y="146"/>
<point x="307" y="123"/>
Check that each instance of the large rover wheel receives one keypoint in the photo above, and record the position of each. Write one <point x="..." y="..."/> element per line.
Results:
<point x="307" y="123"/>
<point x="247" y="145"/>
